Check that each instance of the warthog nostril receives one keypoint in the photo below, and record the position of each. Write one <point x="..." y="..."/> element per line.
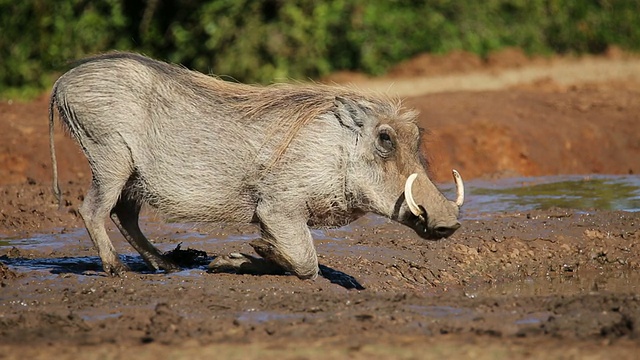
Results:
<point x="446" y="231"/>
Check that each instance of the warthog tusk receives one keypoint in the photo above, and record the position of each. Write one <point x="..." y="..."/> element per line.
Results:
<point x="459" y="188"/>
<point x="415" y="209"/>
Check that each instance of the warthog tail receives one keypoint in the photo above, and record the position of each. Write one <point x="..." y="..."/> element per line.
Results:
<point x="52" y="149"/>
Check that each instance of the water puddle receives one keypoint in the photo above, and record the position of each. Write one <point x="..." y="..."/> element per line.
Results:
<point x="253" y="316"/>
<point x="76" y="264"/>
<point x="88" y="317"/>
<point x="435" y="312"/>
<point x="598" y="192"/>
<point x="52" y="241"/>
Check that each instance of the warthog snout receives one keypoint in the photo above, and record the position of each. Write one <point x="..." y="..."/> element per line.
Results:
<point x="441" y="221"/>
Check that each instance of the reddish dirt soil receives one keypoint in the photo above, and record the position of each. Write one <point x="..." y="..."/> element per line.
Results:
<point x="543" y="284"/>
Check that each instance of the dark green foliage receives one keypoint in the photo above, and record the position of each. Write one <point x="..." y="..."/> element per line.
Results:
<point x="39" y="36"/>
<point x="273" y="40"/>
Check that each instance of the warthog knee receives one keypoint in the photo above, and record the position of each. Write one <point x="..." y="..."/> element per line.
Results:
<point x="303" y="264"/>
<point x="307" y="270"/>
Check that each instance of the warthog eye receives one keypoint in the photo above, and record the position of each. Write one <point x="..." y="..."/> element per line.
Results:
<point x="386" y="140"/>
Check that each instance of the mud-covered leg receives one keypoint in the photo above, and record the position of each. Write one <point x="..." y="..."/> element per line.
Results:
<point x="286" y="244"/>
<point x="94" y="210"/>
<point x="126" y="215"/>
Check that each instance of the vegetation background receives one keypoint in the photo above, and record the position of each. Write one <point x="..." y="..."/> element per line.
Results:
<point x="274" y="40"/>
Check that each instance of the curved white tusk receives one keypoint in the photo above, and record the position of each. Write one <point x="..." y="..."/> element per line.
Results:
<point x="415" y="209"/>
<point x="459" y="188"/>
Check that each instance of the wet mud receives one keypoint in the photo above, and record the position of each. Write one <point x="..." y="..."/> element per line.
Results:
<point x="554" y="274"/>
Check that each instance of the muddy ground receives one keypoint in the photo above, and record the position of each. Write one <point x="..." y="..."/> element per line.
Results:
<point x="555" y="283"/>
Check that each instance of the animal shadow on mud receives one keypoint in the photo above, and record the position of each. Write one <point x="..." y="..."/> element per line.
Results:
<point x="185" y="258"/>
<point x="339" y="278"/>
<point x="86" y="265"/>
<point x="89" y="265"/>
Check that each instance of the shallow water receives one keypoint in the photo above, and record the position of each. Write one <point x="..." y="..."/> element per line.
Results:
<point x="34" y="241"/>
<point x="593" y="192"/>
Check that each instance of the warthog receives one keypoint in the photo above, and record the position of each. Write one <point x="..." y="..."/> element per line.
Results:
<point x="200" y="149"/>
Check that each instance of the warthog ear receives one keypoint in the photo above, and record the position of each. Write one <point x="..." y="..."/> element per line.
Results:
<point x="350" y="113"/>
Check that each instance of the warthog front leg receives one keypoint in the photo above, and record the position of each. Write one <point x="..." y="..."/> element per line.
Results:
<point x="286" y="246"/>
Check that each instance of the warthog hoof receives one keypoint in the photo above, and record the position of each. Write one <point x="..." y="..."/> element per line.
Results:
<point x="162" y="263"/>
<point x="117" y="269"/>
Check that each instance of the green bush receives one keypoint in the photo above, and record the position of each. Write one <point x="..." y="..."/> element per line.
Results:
<point x="256" y="41"/>
<point x="273" y="40"/>
<point x="38" y="37"/>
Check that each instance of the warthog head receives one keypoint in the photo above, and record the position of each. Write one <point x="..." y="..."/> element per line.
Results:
<point x="390" y="173"/>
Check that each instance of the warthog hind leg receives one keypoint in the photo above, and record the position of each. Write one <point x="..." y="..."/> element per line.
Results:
<point x="93" y="211"/>
<point x="125" y="215"/>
